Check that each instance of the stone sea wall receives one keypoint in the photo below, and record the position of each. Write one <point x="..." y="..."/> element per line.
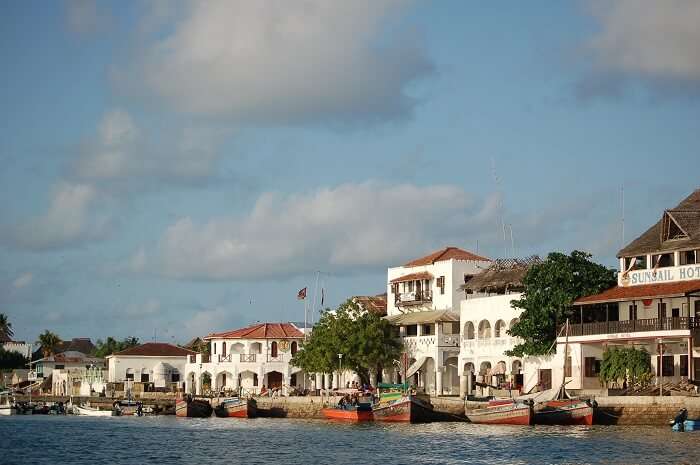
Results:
<point x="643" y="410"/>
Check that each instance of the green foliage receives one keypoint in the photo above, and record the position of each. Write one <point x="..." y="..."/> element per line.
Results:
<point x="48" y="342"/>
<point x="625" y="363"/>
<point x="550" y="289"/>
<point x="9" y="360"/>
<point x="363" y="338"/>
<point x="6" y="331"/>
<point x="111" y="345"/>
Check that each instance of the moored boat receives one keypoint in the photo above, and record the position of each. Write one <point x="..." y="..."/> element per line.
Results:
<point x="237" y="407"/>
<point x="189" y="407"/>
<point x="564" y="412"/>
<point x="348" y="414"/>
<point x="7" y="406"/>
<point x="503" y="413"/>
<point x="92" y="411"/>
<point x="400" y="406"/>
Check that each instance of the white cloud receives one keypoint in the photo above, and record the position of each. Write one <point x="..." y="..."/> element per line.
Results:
<point x="145" y="309"/>
<point x="650" y="39"/>
<point x="275" y="61"/>
<point x="23" y="280"/>
<point x="347" y="227"/>
<point x="122" y="152"/>
<point x="70" y="219"/>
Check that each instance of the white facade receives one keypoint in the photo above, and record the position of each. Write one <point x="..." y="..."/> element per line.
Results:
<point x="78" y="382"/>
<point x="157" y="369"/>
<point x="484" y="321"/>
<point x="20" y="347"/>
<point x="246" y="363"/>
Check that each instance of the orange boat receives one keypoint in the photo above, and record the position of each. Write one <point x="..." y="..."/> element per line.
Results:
<point x="237" y="408"/>
<point x="360" y="413"/>
<point x="564" y="412"/>
<point x="503" y="413"/>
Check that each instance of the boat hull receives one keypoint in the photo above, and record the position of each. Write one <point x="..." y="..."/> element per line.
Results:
<point x="406" y="410"/>
<point x="7" y="410"/>
<point x="244" y="409"/>
<point x="511" y="414"/>
<point x="564" y="412"/>
<point x="196" y="408"/>
<point x="347" y="415"/>
<point x="92" y="412"/>
<point x="688" y="425"/>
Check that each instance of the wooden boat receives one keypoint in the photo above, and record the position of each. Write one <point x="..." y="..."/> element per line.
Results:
<point x="348" y="414"/>
<point x="564" y="412"/>
<point x="128" y="408"/>
<point x="92" y="411"/>
<point x="189" y="407"/>
<point x="503" y="413"/>
<point x="7" y="407"/>
<point x="397" y="405"/>
<point x="236" y="407"/>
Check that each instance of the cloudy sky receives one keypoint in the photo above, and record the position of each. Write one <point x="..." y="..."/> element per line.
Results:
<point x="184" y="167"/>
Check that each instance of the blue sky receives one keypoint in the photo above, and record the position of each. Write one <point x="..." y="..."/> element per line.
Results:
<point x="187" y="167"/>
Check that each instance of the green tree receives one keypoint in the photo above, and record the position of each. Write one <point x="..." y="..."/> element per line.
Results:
<point x="112" y="345"/>
<point x="9" y="360"/>
<point x="364" y="339"/>
<point x="625" y="364"/>
<point x="550" y="289"/>
<point x="49" y="342"/>
<point x="6" y="331"/>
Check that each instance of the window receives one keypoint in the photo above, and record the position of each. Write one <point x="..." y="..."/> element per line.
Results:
<point x="667" y="365"/>
<point x="633" y="312"/>
<point x="689" y="257"/>
<point x="395" y="288"/>
<point x="294" y="347"/>
<point x="130" y="374"/>
<point x="683" y="365"/>
<point x="175" y="378"/>
<point x="441" y="284"/>
<point x="662" y="260"/>
<point x="59" y="367"/>
<point x="427" y="330"/>
<point x="273" y="349"/>
<point x="213" y="348"/>
<point x="567" y="367"/>
<point x="661" y="310"/>
<point x="255" y="379"/>
<point x="144" y="377"/>
<point x="591" y="367"/>
<point x="412" y="330"/>
<point x="675" y="312"/>
<point x="467" y="278"/>
<point x="223" y="349"/>
<point x="640" y="263"/>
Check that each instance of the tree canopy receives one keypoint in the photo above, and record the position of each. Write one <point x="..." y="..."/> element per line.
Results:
<point x="49" y="342"/>
<point x="550" y="289"/>
<point x="9" y="360"/>
<point x="364" y="339"/>
<point x="625" y="364"/>
<point x="6" y="331"/>
<point x="112" y="345"/>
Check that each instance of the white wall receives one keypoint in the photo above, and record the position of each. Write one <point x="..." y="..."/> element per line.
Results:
<point x="118" y="365"/>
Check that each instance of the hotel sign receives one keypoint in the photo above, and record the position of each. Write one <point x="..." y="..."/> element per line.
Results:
<point x="661" y="275"/>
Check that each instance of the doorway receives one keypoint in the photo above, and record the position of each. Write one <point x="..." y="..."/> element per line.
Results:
<point x="545" y="379"/>
<point x="274" y="379"/>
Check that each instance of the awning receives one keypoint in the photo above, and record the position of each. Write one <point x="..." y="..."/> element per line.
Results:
<point x="412" y="277"/>
<point x="432" y="316"/>
<point x="415" y="367"/>
<point x="643" y="291"/>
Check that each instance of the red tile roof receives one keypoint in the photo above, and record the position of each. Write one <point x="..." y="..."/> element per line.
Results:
<point x="261" y="331"/>
<point x="644" y="291"/>
<point x="156" y="349"/>
<point x="373" y="304"/>
<point x="412" y="277"/>
<point x="447" y="253"/>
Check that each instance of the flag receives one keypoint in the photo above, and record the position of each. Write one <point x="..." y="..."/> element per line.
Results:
<point x="323" y="295"/>
<point x="302" y="294"/>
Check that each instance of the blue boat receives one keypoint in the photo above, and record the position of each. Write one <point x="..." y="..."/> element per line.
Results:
<point x="688" y="425"/>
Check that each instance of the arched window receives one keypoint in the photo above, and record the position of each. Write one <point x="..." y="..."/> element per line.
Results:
<point x="294" y="347"/>
<point x="517" y="367"/>
<point x="484" y="329"/>
<point x="273" y="349"/>
<point x="500" y="330"/>
<point x="469" y="330"/>
<point x="469" y="367"/>
<point x="223" y="349"/>
<point x="485" y="369"/>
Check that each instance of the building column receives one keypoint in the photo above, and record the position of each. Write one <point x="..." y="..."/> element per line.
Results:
<point x="318" y="381"/>
<point x="438" y="381"/>
<point x="285" y="384"/>
<point x="198" y="382"/>
<point x="334" y="380"/>
<point x="463" y="385"/>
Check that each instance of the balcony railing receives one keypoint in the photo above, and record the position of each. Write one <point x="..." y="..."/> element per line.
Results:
<point x="633" y="326"/>
<point x="413" y="298"/>
<point x="276" y="358"/>
<point x="248" y="357"/>
<point x="225" y="358"/>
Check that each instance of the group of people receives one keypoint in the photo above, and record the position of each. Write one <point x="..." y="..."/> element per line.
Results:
<point x="348" y="401"/>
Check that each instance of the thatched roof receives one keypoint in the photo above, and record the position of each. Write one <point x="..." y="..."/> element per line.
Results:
<point x="503" y="274"/>
<point x="678" y="229"/>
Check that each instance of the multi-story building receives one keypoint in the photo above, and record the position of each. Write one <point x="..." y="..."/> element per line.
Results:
<point x="486" y="316"/>
<point x="250" y="358"/>
<point x="423" y="302"/>
<point x="655" y="305"/>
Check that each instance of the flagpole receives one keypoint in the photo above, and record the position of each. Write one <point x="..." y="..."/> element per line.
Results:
<point x="306" y="317"/>
<point x="313" y="305"/>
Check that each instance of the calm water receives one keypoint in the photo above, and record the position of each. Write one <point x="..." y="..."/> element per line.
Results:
<point x="165" y="440"/>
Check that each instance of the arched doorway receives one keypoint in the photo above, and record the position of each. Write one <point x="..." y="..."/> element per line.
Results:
<point x="485" y="369"/>
<point x="428" y="375"/>
<point x="484" y="329"/>
<point x="500" y="330"/>
<point x="450" y="382"/>
<point x="469" y="330"/>
<point x="274" y="379"/>
<point x="191" y="383"/>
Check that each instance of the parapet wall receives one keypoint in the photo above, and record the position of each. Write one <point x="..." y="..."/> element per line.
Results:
<point x="643" y="410"/>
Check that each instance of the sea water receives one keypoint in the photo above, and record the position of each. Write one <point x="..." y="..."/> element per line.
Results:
<point x="52" y="440"/>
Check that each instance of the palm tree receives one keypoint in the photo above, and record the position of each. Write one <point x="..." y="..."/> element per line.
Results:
<point x="48" y="342"/>
<point x="5" y="328"/>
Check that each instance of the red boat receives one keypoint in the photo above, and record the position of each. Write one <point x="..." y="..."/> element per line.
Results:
<point x="564" y="412"/>
<point x="503" y="413"/>
<point x="237" y="408"/>
<point x="189" y="407"/>
<point x="351" y="414"/>
<point x="407" y="408"/>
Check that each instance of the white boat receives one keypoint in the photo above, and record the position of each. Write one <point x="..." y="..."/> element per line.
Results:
<point x="7" y="407"/>
<point x="92" y="411"/>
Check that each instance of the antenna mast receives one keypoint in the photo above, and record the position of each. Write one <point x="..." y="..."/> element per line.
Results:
<point x="622" y="194"/>
<point x="497" y="181"/>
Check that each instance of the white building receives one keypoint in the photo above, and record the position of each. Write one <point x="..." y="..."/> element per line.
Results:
<point x="78" y="381"/>
<point x="153" y="362"/>
<point x="20" y="347"/>
<point x="423" y="302"/>
<point x="68" y="360"/>
<point x="486" y="316"/>
<point x="655" y="306"/>
<point x="250" y="358"/>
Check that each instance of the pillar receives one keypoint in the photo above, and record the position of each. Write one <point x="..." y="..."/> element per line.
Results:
<point x="334" y="377"/>
<point x="285" y="385"/>
<point x="199" y="385"/>
<point x="470" y="383"/>
<point x="318" y="381"/>
<point x="438" y="381"/>
<point x="463" y="385"/>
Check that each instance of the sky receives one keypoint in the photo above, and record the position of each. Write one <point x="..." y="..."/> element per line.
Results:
<point x="175" y="168"/>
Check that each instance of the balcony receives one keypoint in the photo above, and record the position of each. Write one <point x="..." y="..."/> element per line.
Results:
<point x="225" y="358"/>
<point x="276" y="358"/>
<point x="633" y="326"/>
<point x="249" y="358"/>
<point x="413" y="298"/>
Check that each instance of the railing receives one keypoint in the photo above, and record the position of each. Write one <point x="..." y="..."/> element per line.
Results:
<point x="276" y="358"/>
<point x="193" y="359"/>
<point x="633" y="326"/>
<point x="449" y="340"/>
<point x="248" y="357"/>
<point x="225" y="358"/>
<point x="409" y="298"/>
